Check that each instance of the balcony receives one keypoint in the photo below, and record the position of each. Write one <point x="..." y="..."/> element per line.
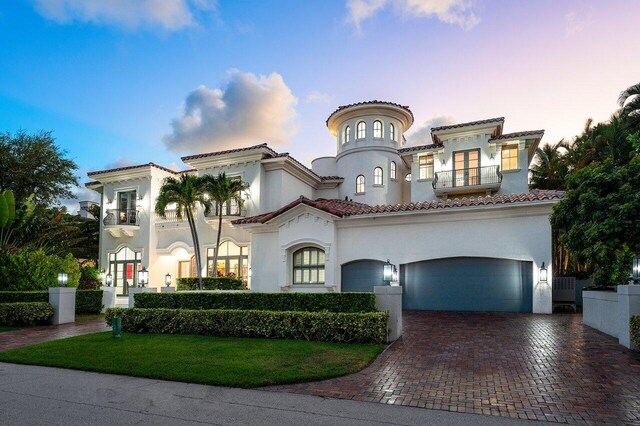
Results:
<point x="463" y="181"/>
<point x="230" y="210"/>
<point x="170" y="221"/>
<point x="121" y="222"/>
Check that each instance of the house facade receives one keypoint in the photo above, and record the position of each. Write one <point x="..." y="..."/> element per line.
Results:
<point x="455" y="216"/>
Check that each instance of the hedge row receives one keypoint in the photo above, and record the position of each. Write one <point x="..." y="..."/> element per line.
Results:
<point x="87" y="301"/>
<point x="368" y="327"/>
<point x="308" y="302"/>
<point x="211" y="283"/>
<point x="24" y="313"/>
<point x="634" y="324"/>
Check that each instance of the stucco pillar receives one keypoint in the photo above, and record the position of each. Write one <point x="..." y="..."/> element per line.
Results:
<point x="135" y="290"/>
<point x="389" y="300"/>
<point x="628" y="306"/>
<point x="166" y="289"/>
<point x="108" y="298"/>
<point x="63" y="300"/>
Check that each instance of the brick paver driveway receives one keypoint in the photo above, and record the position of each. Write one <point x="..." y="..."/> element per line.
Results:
<point x="45" y="333"/>
<point x="542" y="367"/>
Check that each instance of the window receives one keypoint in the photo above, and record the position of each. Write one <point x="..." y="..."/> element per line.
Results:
<point x="308" y="266"/>
<point x="377" y="129"/>
<point x="426" y="167"/>
<point x="232" y="260"/>
<point x="510" y="157"/>
<point x="360" y="184"/>
<point x="347" y="135"/>
<point x="408" y="177"/>
<point x="361" y="130"/>
<point x="377" y="176"/>
<point x="127" y="213"/>
<point x="394" y="172"/>
<point x="123" y="267"/>
<point x="392" y="132"/>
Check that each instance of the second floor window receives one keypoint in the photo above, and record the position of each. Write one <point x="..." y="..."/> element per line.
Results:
<point x="347" y="134"/>
<point x="360" y="184"/>
<point x="426" y="167"/>
<point x="361" y="130"/>
<point x="394" y="172"/>
<point x="377" y="176"/>
<point x="510" y="157"/>
<point x="377" y="129"/>
<point x="392" y="132"/>
<point x="127" y="214"/>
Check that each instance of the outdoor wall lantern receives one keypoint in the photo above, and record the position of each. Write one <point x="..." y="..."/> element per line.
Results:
<point x="543" y="273"/>
<point x="635" y="273"/>
<point x="108" y="279"/>
<point x="167" y="280"/>
<point x="387" y="272"/>
<point x="143" y="277"/>
<point x="63" y="278"/>
<point x="394" y="276"/>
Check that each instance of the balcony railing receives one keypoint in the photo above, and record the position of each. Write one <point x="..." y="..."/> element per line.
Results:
<point x="482" y="177"/>
<point x="170" y="216"/>
<point x="121" y="217"/>
<point x="228" y="209"/>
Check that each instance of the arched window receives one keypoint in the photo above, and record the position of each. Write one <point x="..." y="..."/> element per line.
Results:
<point x="377" y="176"/>
<point x="347" y="135"/>
<point x="123" y="267"/>
<point x="308" y="266"/>
<point x="394" y="172"/>
<point x="361" y="130"/>
<point x="377" y="129"/>
<point x="233" y="260"/>
<point x="408" y="177"/>
<point x="392" y="132"/>
<point x="360" y="184"/>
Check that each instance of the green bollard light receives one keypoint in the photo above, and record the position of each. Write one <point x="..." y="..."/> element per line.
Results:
<point x="117" y="326"/>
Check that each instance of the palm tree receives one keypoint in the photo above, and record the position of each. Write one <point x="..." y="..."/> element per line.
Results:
<point x="550" y="170"/>
<point x="186" y="193"/>
<point x="222" y="190"/>
<point x="629" y="102"/>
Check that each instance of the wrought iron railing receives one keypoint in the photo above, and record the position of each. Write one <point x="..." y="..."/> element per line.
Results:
<point x="472" y="176"/>
<point x="231" y="208"/>
<point x="121" y="217"/>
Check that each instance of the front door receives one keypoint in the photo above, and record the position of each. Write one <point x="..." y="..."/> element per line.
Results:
<point x="466" y="168"/>
<point x="125" y="276"/>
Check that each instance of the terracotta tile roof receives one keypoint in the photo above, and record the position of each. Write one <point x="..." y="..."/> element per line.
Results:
<point x="230" y="151"/>
<point x="331" y="178"/>
<point x="138" y="166"/>
<point x="286" y="155"/>
<point x="343" y="208"/>
<point x="470" y="123"/>
<point x="517" y="135"/>
<point x="419" y="148"/>
<point x="374" y="102"/>
<point x="92" y="183"/>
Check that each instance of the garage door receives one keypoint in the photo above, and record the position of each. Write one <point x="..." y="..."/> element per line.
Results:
<point x="361" y="275"/>
<point x="468" y="284"/>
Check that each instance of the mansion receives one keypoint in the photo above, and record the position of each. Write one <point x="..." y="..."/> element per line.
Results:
<point x="455" y="216"/>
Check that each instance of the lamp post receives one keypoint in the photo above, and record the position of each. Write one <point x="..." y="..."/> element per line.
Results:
<point x="543" y="273"/>
<point x="143" y="277"/>
<point x="108" y="279"/>
<point x="63" y="278"/>
<point x="635" y="272"/>
<point x="394" y="276"/>
<point x="167" y="280"/>
<point x="387" y="272"/>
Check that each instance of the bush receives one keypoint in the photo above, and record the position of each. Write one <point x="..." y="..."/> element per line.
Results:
<point x="370" y="327"/>
<point x="309" y="302"/>
<point x="89" y="279"/>
<point x="24" y="296"/>
<point x="24" y="313"/>
<point x="634" y="323"/>
<point x="88" y="301"/>
<point x="212" y="283"/>
<point x="35" y="270"/>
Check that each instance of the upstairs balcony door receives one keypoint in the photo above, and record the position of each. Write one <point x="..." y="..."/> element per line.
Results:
<point x="127" y="208"/>
<point x="466" y="168"/>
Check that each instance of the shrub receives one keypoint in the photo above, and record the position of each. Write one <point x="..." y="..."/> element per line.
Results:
<point x="24" y="296"/>
<point x="35" y="270"/>
<point x="309" y="302"/>
<point x="370" y="327"/>
<point x="88" y="301"/>
<point x="212" y="283"/>
<point x="634" y="323"/>
<point x="24" y="313"/>
<point x="89" y="279"/>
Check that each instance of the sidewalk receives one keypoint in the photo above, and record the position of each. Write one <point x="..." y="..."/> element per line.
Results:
<point x="31" y="335"/>
<point x="32" y="395"/>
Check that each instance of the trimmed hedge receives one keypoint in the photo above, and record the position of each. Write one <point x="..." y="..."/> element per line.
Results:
<point x="211" y="283"/>
<point x="634" y="323"/>
<point x="370" y="327"/>
<point x="88" y="301"/>
<point x="308" y="302"/>
<point x="24" y="296"/>
<point x="24" y="313"/>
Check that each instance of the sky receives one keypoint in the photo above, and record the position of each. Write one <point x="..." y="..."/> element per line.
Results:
<point x="124" y="82"/>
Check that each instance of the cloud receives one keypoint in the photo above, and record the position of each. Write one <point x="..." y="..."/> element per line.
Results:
<point x="576" y="22"/>
<point x="171" y="15"/>
<point x="249" y="109"/>
<point x="457" y="12"/>
<point x="316" y="97"/>
<point x="422" y="134"/>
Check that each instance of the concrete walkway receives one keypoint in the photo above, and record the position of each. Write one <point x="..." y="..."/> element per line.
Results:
<point x="32" y="395"/>
<point x="44" y="333"/>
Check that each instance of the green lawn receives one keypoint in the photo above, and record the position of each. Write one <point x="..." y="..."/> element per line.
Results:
<point x="236" y="362"/>
<point x="7" y="329"/>
<point x="89" y="317"/>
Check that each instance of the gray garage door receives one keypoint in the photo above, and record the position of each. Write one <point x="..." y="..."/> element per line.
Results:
<point x="361" y="275"/>
<point x="468" y="284"/>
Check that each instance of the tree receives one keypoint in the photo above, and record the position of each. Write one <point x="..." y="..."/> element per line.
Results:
<point x="185" y="193"/>
<point x="629" y="101"/>
<point x="34" y="164"/>
<point x="222" y="190"/>
<point x="550" y="169"/>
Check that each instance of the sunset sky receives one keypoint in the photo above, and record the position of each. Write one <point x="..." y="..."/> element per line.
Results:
<point x="123" y="82"/>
